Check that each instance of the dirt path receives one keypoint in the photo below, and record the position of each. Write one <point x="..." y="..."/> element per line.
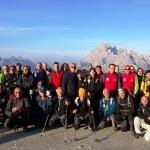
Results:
<point x="107" y="139"/>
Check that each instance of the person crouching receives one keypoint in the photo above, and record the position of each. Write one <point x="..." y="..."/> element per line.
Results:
<point x="107" y="110"/>
<point x="17" y="110"/>
<point x="61" y="108"/>
<point x="83" y="111"/>
<point x="43" y="107"/>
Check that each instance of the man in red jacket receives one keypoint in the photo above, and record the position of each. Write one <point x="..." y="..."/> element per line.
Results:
<point x="128" y="80"/>
<point x="56" y="76"/>
<point x="111" y="80"/>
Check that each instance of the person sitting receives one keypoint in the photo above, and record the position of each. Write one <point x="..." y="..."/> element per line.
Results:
<point x="142" y="120"/>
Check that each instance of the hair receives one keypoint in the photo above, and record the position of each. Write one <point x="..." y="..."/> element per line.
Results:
<point x="57" y="63"/>
<point x="98" y="66"/>
<point x="112" y="65"/>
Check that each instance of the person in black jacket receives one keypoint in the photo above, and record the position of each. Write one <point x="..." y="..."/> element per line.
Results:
<point x="142" y="120"/>
<point x="125" y="110"/>
<point x="17" y="110"/>
<point x="83" y="111"/>
<point x="70" y="83"/>
<point x="60" y="108"/>
<point x="4" y="97"/>
<point x="93" y="88"/>
<point x="9" y="81"/>
<point x="26" y="80"/>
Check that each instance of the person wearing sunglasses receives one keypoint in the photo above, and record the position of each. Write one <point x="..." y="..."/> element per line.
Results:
<point x="70" y="83"/>
<point x="128" y="80"/>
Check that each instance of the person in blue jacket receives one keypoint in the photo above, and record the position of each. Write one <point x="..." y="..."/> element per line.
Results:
<point x="107" y="110"/>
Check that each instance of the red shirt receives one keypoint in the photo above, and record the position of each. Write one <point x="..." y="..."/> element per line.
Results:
<point x="128" y="81"/>
<point x="111" y="82"/>
<point x="56" y="79"/>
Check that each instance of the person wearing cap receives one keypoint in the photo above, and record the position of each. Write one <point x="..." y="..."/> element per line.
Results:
<point x="111" y="80"/>
<point x="125" y="110"/>
<point x="145" y="85"/>
<point x="43" y="107"/>
<point x="142" y="120"/>
<point x="128" y="80"/>
<point x="107" y="110"/>
<point x="83" y="111"/>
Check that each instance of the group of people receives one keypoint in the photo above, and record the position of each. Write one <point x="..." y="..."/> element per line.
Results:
<point x="120" y="100"/>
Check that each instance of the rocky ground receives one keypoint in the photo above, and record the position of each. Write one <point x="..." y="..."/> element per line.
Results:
<point x="106" y="139"/>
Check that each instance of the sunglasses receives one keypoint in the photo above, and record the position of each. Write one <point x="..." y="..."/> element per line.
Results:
<point x="73" y="67"/>
<point x="17" y="92"/>
<point x="126" y="69"/>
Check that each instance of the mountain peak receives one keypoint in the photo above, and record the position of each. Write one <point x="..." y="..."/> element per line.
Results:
<point x="107" y="53"/>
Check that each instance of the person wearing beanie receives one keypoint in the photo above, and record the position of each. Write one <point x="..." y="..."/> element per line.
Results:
<point x="82" y="110"/>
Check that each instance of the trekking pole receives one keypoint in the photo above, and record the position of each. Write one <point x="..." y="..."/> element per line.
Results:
<point x="94" y="131"/>
<point x="65" y="126"/>
<point x="42" y="133"/>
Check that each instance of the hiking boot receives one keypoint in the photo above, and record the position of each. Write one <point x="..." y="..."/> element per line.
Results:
<point x="136" y="135"/>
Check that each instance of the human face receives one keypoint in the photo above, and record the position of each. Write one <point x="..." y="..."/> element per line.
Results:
<point x="5" y="69"/>
<point x="112" y="69"/>
<point x="98" y="70"/>
<point x="127" y="70"/>
<point x="18" y="93"/>
<point x="72" y="67"/>
<point x="92" y="73"/>
<point x="121" y="94"/>
<point x="56" y="67"/>
<point x="116" y="69"/>
<point x="42" y="94"/>
<point x="59" y="92"/>
<point x="38" y="66"/>
<point x="12" y="70"/>
<point x="144" y="100"/>
<point x="140" y="72"/>
<point x="25" y="70"/>
<point x="132" y="69"/>
<point x="44" y="66"/>
<point x="82" y="96"/>
<point x="106" y="93"/>
<point x="148" y="76"/>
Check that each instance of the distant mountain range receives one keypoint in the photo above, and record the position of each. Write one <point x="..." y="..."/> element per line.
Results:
<point x="106" y="54"/>
<point x="13" y="60"/>
<point x="103" y="55"/>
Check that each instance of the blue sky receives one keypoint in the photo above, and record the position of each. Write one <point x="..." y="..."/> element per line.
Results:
<point x="72" y="27"/>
